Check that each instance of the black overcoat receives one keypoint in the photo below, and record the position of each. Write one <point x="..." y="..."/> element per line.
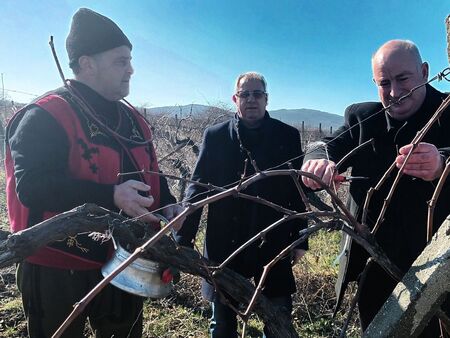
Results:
<point x="402" y="234"/>
<point x="232" y="221"/>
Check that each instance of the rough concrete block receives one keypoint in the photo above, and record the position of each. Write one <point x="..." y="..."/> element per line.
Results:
<point x="420" y="294"/>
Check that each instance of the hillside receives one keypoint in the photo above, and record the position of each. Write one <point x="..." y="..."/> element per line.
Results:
<point x="180" y="110"/>
<point x="310" y="117"/>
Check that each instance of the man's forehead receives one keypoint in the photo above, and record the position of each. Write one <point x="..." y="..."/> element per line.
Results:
<point x="394" y="58"/>
<point x="247" y="82"/>
<point x="394" y="66"/>
<point x="393" y="71"/>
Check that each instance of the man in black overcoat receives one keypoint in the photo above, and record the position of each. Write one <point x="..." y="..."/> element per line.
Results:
<point x="397" y="68"/>
<point x="251" y="135"/>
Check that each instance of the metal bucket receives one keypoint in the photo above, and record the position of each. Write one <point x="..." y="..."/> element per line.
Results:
<point x="142" y="277"/>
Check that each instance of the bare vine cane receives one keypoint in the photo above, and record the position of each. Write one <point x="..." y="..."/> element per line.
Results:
<point x="439" y="77"/>
<point x="443" y="319"/>
<point x="432" y="202"/>
<point x="416" y="140"/>
<point x="287" y="214"/>
<point x="88" y="217"/>
<point x="381" y="258"/>
<point x="305" y="234"/>
<point x="58" y="65"/>
<point x="348" y="155"/>
<point x="243" y="148"/>
<point x="244" y="173"/>
<point x="444" y="323"/>
<point x="356" y="230"/>
<point x="211" y="188"/>
<point x="445" y="74"/>
<point x="81" y="305"/>
<point x="442" y="75"/>
<point x="244" y="329"/>
<point x="353" y="151"/>
<point x="262" y="234"/>
<point x="222" y="297"/>
<point x="360" y="236"/>
<point x="296" y="178"/>
<point x="195" y="206"/>
<point x="356" y="298"/>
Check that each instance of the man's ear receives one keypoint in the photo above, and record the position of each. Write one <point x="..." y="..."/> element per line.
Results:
<point x="86" y="64"/>
<point x="425" y="70"/>
<point x="234" y="98"/>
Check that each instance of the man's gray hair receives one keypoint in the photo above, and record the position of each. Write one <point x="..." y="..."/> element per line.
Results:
<point x="250" y="76"/>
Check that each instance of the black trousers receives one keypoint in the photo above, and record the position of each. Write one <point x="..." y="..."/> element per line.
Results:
<point x="48" y="296"/>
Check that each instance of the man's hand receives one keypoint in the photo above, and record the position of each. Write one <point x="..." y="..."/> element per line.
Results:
<point x="324" y="169"/>
<point x="171" y="212"/>
<point x="425" y="161"/>
<point x="127" y="199"/>
<point x="297" y="254"/>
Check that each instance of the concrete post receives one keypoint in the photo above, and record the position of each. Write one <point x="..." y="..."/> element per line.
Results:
<point x="418" y="297"/>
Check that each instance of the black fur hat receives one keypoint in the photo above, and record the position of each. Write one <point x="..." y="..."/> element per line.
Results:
<point x="92" y="33"/>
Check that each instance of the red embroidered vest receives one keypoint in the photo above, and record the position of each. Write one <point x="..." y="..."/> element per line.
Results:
<point x="81" y="252"/>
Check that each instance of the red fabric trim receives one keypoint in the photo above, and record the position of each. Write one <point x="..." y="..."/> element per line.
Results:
<point x="108" y="162"/>
<point x="18" y="216"/>
<point x="62" y="260"/>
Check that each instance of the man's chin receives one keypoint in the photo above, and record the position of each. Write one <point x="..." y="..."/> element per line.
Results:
<point x="399" y="113"/>
<point x="125" y="92"/>
<point x="252" y="122"/>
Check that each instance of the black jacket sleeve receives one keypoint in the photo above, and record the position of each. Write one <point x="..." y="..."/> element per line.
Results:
<point x="186" y="235"/>
<point x="296" y="201"/>
<point x="166" y="196"/>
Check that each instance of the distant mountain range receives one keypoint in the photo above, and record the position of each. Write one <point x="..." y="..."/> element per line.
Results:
<point x="310" y="117"/>
<point x="186" y="110"/>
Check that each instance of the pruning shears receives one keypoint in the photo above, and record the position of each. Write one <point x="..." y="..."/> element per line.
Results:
<point x="342" y="178"/>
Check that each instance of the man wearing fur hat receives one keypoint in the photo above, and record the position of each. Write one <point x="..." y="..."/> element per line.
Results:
<point x="66" y="149"/>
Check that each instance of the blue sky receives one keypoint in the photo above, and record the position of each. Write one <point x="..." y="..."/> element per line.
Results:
<point x="314" y="53"/>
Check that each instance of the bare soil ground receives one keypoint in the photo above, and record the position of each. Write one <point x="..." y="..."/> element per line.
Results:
<point x="12" y="320"/>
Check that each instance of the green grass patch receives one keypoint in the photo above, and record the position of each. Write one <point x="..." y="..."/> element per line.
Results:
<point x="12" y="305"/>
